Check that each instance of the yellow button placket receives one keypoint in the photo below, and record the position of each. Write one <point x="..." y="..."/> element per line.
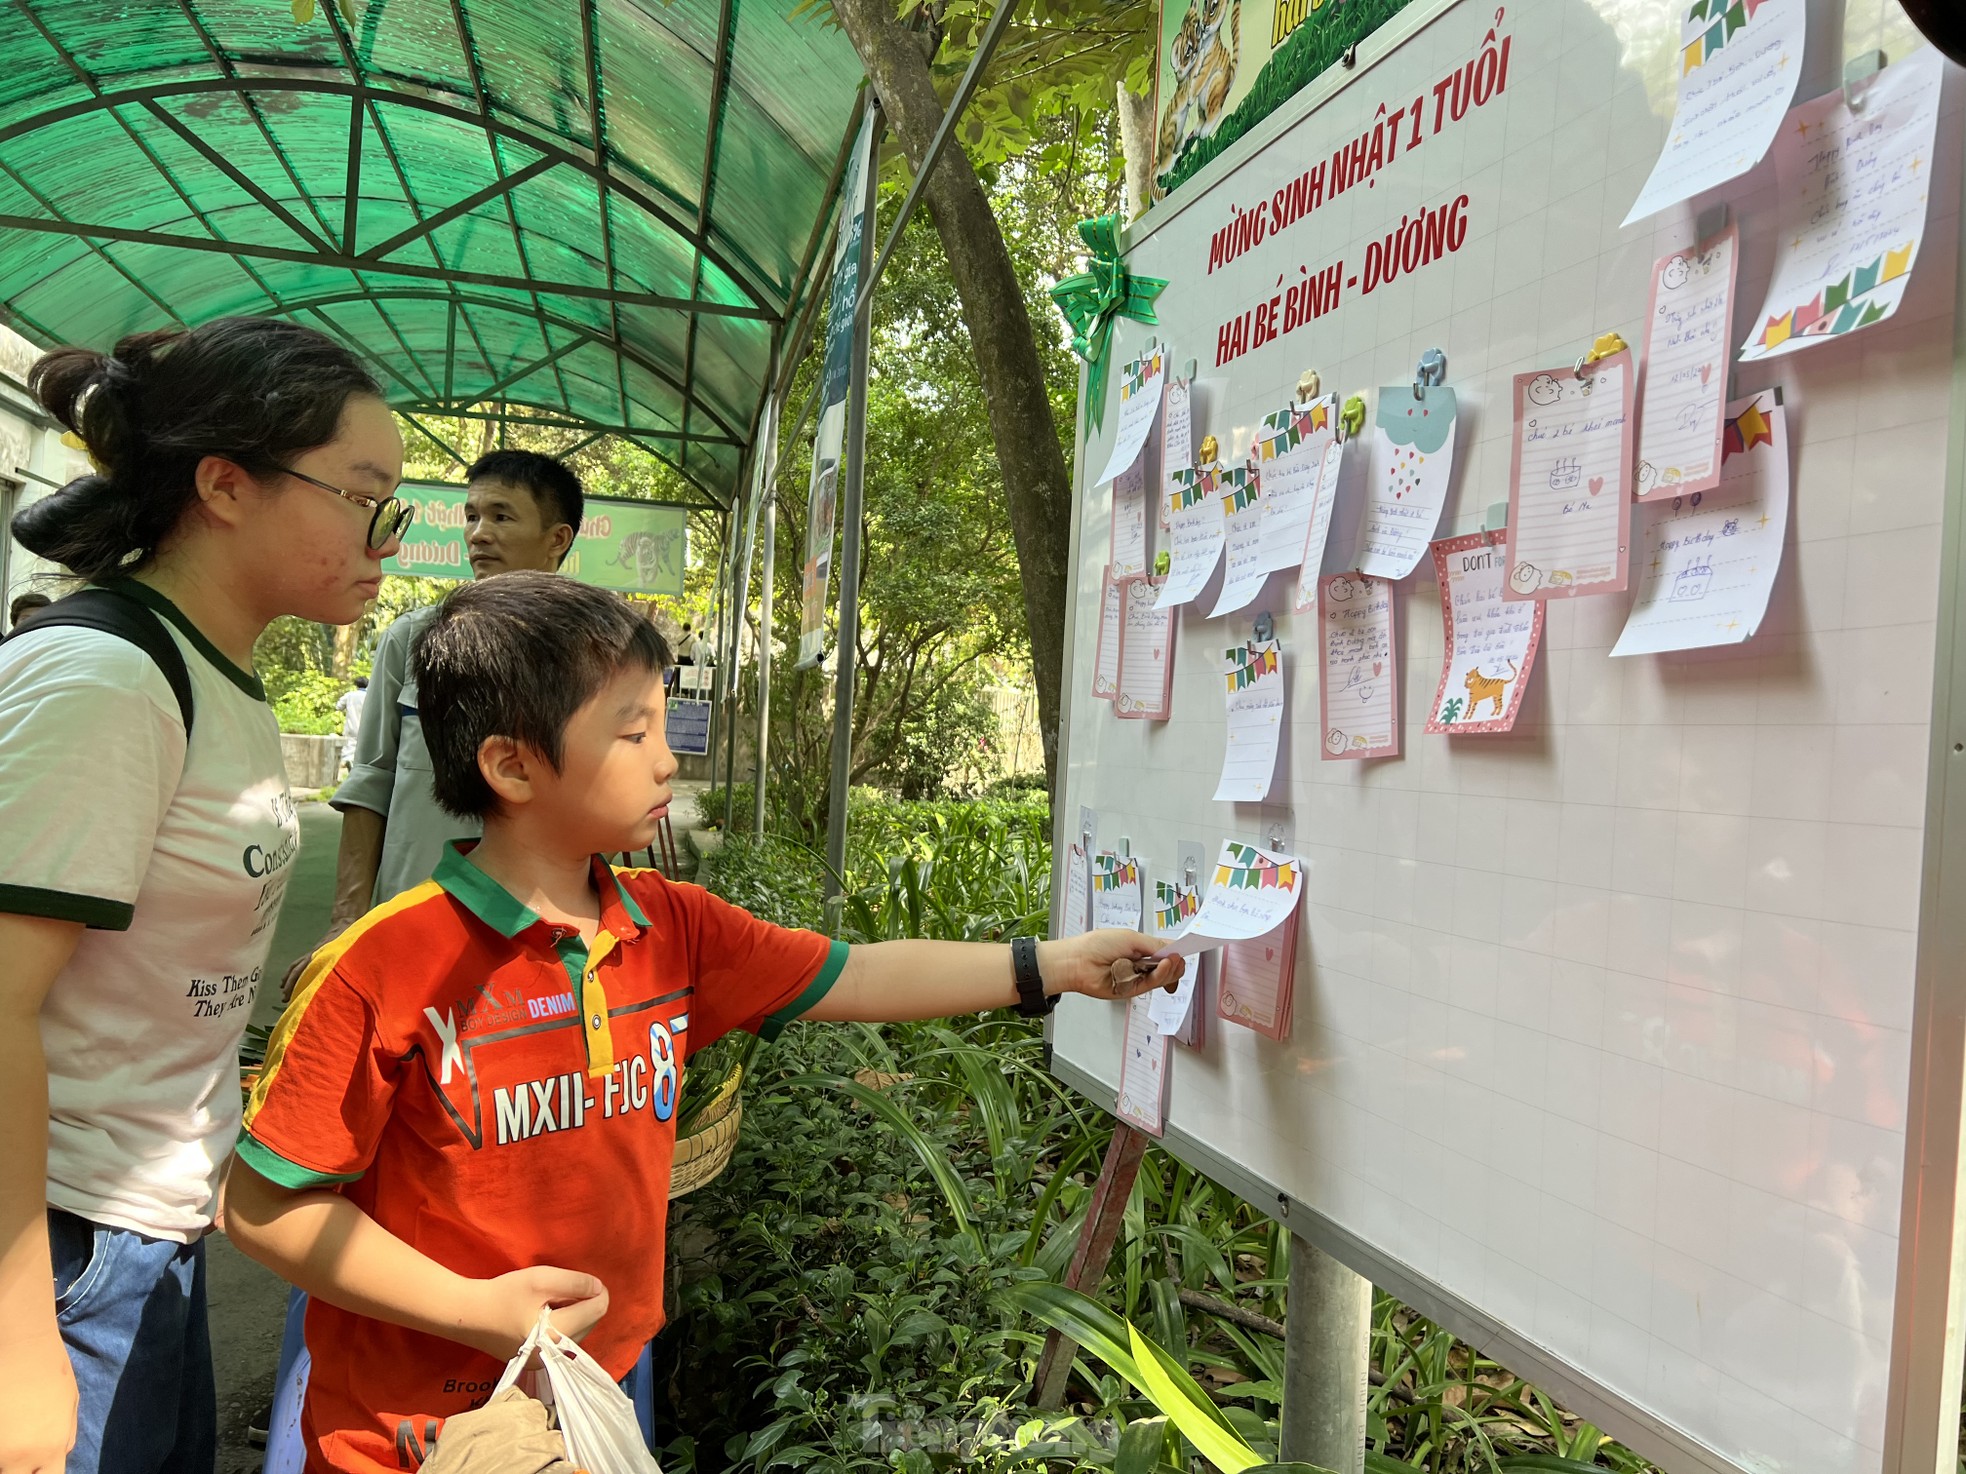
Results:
<point x="594" y="1008"/>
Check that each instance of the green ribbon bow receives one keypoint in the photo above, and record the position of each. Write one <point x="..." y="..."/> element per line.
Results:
<point x="1094" y="297"/>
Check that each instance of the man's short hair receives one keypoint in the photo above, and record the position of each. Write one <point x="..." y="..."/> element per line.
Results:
<point x="26" y="604"/>
<point x="516" y="656"/>
<point x="552" y="483"/>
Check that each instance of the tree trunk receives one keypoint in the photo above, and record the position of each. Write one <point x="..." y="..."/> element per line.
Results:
<point x="1136" y="115"/>
<point x="1037" y="484"/>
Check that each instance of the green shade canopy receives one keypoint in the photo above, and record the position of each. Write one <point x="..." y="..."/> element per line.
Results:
<point x="595" y="212"/>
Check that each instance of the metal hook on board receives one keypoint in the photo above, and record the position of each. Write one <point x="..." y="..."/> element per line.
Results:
<point x="1125" y="848"/>
<point x="1308" y="385"/>
<point x="1190" y="875"/>
<point x="1431" y="370"/>
<point x="1857" y="69"/>
<point x="1278" y="837"/>
<point x="1710" y="224"/>
<point x="1188" y="371"/>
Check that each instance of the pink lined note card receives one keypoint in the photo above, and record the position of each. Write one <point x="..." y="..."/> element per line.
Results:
<point x="1358" y="698"/>
<point x="1106" y="664"/>
<point x="1142" y="1099"/>
<point x="1683" y="385"/>
<point x="1570" y="499"/>
<point x="1146" y="652"/>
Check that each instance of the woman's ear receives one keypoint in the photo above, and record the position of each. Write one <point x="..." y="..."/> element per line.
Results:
<point x="506" y="764"/>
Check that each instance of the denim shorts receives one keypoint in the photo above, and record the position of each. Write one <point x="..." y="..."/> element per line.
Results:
<point x="131" y="1310"/>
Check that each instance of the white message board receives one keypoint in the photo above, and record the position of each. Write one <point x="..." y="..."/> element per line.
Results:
<point x="1613" y="1032"/>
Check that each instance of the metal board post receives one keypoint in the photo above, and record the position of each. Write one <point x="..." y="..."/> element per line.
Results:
<point x="1326" y="1349"/>
<point x="764" y="662"/>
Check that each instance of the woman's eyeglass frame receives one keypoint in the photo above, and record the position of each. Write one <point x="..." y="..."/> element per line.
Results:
<point x="390" y="515"/>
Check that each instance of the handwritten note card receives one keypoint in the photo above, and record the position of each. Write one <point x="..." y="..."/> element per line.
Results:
<point x="1738" y="65"/>
<point x="1252" y="892"/>
<point x="1194" y="533"/>
<point x="1174" y="1013"/>
<point x="1177" y="437"/>
<point x="1244" y="527"/>
<point x="1851" y="190"/>
<point x="1140" y="385"/>
<point x="1290" y="448"/>
<point x="1128" y="553"/>
<point x="1078" y="899"/>
<point x="1106" y="666"/>
<point x="1683" y="385"/>
<point x="1707" y="561"/>
<point x="1489" y="642"/>
<point x="1570" y="481"/>
<point x="1310" y="564"/>
<point x="1146" y="653"/>
<point x="1252" y="677"/>
<point x="1412" y="460"/>
<point x="1258" y="982"/>
<point x="1358" y="698"/>
<point x="1116" y="891"/>
<point x="1142" y="1097"/>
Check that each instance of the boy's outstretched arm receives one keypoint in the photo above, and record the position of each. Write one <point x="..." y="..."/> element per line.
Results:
<point x="886" y="981"/>
<point x="316" y="1239"/>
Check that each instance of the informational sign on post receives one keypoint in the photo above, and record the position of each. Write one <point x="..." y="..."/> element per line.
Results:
<point x="686" y="725"/>
<point x="628" y="546"/>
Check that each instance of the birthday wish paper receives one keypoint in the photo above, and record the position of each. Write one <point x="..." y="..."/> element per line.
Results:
<point x="1412" y="460"/>
<point x="1683" y="385"/>
<point x="1290" y="448"/>
<point x="1489" y="643"/>
<point x="1358" y="697"/>
<point x="1852" y="188"/>
<point x="1194" y="533"/>
<point x="1570" y="482"/>
<point x="1706" y="562"/>
<point x="1116" y="891"/>
<point x="1175" y="904"/>
<point x="1310" y="564"/>
<point x="1252" y="676"/>
<point x="1738" y="63"/>
<point x="1106" y="663"/>
<point x="1128" y="553"/>
<point x="1244" y="528"/>
<point x="1252" y="892"/>
<point x="1140" y="385"/>
<point x="1142" y="1098"/>
<point x="1146" y="651"/>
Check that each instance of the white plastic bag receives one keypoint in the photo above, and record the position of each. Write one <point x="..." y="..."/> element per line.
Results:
<point x="595" y="1416"/>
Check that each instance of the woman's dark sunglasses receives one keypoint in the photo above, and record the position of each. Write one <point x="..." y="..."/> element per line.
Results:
<point x="389" y="517"/>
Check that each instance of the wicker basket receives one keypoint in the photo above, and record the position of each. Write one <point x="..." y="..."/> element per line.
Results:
<point x="705" y="1152"/>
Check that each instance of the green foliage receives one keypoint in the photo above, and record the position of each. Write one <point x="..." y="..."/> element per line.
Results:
<point x="304" y="700"/>
<point x="1313" y="49"/>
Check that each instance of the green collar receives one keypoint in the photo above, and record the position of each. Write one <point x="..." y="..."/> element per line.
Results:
<point x="505" y="914"/>
<point x="145" y="595"/>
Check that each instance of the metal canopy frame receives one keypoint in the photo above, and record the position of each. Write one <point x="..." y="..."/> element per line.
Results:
<point x="611" y="352"/>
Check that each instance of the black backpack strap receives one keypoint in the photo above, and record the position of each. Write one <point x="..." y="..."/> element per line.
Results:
<point x="119" y="615"/>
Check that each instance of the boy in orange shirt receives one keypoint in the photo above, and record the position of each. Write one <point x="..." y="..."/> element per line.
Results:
<point x="467" y="1111"/>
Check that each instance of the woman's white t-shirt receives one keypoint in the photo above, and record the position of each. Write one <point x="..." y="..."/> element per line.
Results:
<point x="177" y="863"/>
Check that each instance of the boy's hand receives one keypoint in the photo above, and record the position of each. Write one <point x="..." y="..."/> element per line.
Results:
<point x="510" y="1306"/>
<point x="1110" y="964"/>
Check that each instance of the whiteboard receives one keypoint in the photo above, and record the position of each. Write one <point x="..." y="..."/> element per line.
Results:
<point x="1604" y="1028"/>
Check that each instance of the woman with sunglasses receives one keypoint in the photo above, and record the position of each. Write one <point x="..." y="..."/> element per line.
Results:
<point x="245" y="470"/>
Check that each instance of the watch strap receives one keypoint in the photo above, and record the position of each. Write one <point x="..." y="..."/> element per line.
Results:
<point x="1031" y="999"/>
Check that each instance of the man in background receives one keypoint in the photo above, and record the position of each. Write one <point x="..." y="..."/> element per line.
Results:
<point x="25" y="607"/>
<point x="522" y="510"/>
<point x="350" y="707"/>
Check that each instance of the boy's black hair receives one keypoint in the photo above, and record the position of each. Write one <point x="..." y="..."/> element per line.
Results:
<point x="516" y="656"/>
<point x="552" y="483"/>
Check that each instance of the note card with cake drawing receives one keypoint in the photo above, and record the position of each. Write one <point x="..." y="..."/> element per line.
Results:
<point x="1142" y="1099"/>
<point x="1252" y="679"/>
<point x="1851" y="190"/>
<point x="1683" y="381"/>
<point x="1412" y="461"/>
<point x="1139" y="389"/>
<point x="1106" y="667"/>
<point x="1251" y="893"/>
<point x="1706" y="562"/>
<point x="1290" y="448"/>
<point x="1129" y="538"/>
<point x="1570" y="483"/>
<point x="1175" y="904"/>
<point x="1488" y="642"/>
<point x="1116" y="891"/>
<point x="1243" y="531"/>
<point x="1738" y="64"/>
<point x="1078" y="893"/>
<point x="1358" y="697"/>
<point x="1194" y="532"/>
<point x="1146" y="652"/>
<point x="1310" y="562"/>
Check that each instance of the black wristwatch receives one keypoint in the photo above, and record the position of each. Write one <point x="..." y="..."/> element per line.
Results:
<point x="1031" y="1001"/>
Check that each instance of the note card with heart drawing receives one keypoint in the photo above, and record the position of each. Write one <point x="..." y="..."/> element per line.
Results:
<point x="1146" y="652"/>
<point x="1358" y="698"/>
<point x="1252" y="679"/>
<point x="1106" y="667"/>
<point x="1570" y="481"/>
<point x="1142" y="1097"/>
<point x="1078" y="898"/>
<point x="1488" y="644"/>
<point x="1683" y="385"/>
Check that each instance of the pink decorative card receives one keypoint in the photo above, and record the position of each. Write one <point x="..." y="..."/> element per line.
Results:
<point x="1570" y="502"/>
<point x="1488" y="644"/>
<point x="1358" y="698"/>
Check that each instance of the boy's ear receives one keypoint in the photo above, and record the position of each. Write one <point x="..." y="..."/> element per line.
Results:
<point x="507" y="765"/>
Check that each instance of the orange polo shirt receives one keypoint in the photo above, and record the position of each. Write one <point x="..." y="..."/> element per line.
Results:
<point x="498" y="1095"/>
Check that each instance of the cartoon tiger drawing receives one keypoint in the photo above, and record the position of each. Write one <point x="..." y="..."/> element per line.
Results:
<point x="1489" y="688"/>
<point x="1204" y="64"/>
